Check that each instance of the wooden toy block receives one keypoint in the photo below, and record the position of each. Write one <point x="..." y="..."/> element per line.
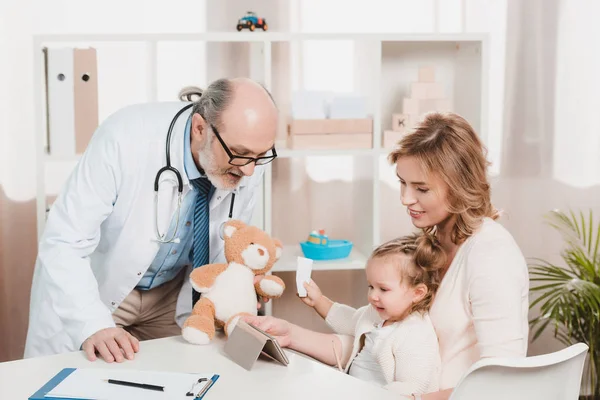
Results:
<point x="325" y="126"/>
<point x="410" y="106"/>
<point x="413" y="121"/>
<point x="391" y="138"/>
<point x="426" y="90"/>
<point x="426" y="74"/>
<point x="331" y="141"/>
<point x="422" y="106"/>
<point x="443" y="105"/>
<point x="399" y="122"/>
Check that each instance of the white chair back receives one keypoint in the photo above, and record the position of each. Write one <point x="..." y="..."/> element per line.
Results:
<point x="553" y="376"/>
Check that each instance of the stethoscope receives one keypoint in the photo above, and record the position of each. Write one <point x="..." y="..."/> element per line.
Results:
<point x="174" y="239"/>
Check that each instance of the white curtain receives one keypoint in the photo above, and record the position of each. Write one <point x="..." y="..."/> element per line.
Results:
<point x="552" y="84"/>
<point x="551" y="137"/>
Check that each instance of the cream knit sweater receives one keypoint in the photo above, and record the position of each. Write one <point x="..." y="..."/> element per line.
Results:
<point x="480" y="309"/>
<point x="409" y="356"/>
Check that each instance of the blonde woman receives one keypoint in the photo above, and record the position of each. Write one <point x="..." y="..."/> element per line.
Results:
<point x="480" y="309"/>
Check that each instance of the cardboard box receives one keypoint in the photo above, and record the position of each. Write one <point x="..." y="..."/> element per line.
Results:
<point x="327" y="126"/>
<point x="331" y="141"/>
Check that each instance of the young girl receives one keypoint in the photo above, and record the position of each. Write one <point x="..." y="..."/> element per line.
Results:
<point x="390" y="342"/>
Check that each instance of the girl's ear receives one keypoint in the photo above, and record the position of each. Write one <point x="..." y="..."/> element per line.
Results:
<point x="419" y="292"/>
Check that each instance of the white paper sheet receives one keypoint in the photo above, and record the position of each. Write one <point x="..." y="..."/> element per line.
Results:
<point x="89" y="383"/>
<point x="303" y="272"/>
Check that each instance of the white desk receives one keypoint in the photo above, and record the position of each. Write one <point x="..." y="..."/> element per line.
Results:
<point x="302" y="379"/>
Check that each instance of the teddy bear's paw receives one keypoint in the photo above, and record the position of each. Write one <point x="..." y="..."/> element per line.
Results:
<point x="231" y="325"/>
<point x="270" y="287"/>
<point x="198" y="329"/>
<point x="199" y="289"/>
<point x="195" y="336"/>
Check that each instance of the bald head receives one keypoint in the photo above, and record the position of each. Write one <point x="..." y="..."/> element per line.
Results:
<point x="251" y="115"/>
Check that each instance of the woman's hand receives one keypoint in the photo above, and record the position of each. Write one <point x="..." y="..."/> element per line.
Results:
<point x="313" y="294"/>
<point x="280" y="329"/>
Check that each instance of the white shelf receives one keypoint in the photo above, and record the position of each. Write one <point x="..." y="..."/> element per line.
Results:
<point x="354" y="197"/>
<point x="244" y="36"/>
<point x="291" y="153"/>
<point x="288" y="261"/>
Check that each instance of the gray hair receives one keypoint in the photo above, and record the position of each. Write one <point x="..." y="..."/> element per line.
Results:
<point x="211" y="103"/>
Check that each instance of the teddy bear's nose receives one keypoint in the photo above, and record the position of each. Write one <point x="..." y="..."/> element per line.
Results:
<point x="261" y="252"/>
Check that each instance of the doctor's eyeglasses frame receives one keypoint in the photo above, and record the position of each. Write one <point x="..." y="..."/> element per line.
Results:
<point x="240" y="161"/>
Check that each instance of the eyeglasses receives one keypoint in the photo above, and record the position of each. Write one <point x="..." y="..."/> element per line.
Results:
<point x="240" y="161"/>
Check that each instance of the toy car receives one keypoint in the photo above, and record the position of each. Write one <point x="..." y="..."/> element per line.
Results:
<point x="251" y="21"/>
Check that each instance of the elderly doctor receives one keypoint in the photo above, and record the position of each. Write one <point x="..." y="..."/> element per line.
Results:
<point x="112" y="265"/>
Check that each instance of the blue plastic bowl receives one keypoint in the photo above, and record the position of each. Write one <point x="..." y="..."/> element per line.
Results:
<point x="334" y="250"/>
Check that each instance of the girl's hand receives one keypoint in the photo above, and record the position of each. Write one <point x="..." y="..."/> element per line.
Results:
<point x="313" y="293"/>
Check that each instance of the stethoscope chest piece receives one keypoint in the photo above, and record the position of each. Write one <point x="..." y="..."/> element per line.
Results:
<point x="161" y="237"/>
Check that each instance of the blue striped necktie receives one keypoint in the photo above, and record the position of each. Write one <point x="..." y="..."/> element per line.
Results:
<point x="201" y="248"/>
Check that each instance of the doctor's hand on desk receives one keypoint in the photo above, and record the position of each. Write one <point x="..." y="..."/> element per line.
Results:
<point x="112" y="344"/>
<point x="280" y="329"/>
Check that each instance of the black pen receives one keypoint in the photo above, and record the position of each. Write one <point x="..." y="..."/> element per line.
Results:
<point x="137" y="385"/>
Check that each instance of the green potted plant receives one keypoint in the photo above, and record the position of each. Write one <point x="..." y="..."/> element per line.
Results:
<point x="569" y="295"/>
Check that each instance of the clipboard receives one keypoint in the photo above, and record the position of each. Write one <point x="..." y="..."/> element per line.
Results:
<point x="51" y="384"/>
<point x="247" y="343"/>
<point x="91" y="384"/>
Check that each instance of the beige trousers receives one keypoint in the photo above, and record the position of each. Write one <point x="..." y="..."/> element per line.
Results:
<point x="150" y="314"/>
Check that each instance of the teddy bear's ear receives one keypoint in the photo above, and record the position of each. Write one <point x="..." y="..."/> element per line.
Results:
<point x="232" y="226"/>
<point x="278" y="248"/>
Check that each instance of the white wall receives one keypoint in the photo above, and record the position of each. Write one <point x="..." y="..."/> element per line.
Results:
<point x="20" y="20"/>
<point x="575" y="145"/>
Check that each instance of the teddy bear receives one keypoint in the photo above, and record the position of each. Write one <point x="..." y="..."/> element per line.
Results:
<point x="228" y="290"/>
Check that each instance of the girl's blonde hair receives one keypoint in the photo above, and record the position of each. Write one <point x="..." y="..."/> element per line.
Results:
<point x="427" y="258"/>
<point x="446" y="145"/>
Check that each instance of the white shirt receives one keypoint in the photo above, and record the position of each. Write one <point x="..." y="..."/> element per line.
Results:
<point x="408" y="354"/>
<point x="365" y="365"/>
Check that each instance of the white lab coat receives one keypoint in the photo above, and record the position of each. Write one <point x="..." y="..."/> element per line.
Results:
<point x="98" y="240"/>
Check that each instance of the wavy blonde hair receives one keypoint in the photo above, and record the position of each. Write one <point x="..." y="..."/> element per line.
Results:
<point x="446" y="145"/>
<point x="427" y="260"/>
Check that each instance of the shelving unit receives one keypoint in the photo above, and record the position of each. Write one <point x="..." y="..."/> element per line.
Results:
<point x="350" y="193"/>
